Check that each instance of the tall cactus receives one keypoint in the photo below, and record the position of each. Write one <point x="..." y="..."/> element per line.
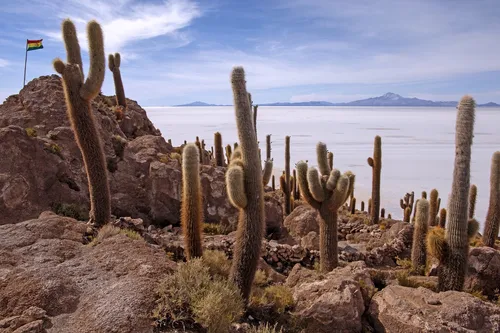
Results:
<point x="418" y="251"/>
<point x="472" y="200"/>
<point x="433" y="208"/>
<point x="245" y="190"/>
<point x="192" y="201"/>
<point x="453" y="249"/>
<point x="326" y="193"/>
<point x="490" y="233"/>
<point x="114" y="66"/>
<point x="219" y="153"/>
<point x="78" y="94"/>
<point x="288" y="206"/>
<point x="376" y="163"/>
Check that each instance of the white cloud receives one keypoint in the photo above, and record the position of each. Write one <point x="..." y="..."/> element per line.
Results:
<point x="4" y="63"/>
<point x="125" y="21"/>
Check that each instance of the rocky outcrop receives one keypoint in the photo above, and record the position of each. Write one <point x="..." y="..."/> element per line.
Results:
<point x="484" y="271"/>
<point x="332" y="302"/>
<point x="109" y="287"/>
<point x="408" y="310"/>
<point x="41" y="166"/>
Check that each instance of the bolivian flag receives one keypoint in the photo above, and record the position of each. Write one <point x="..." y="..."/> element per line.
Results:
<point x="32" y="44"/>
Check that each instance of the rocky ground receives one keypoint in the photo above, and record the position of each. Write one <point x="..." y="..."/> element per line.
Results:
<point x="53" y="280"/>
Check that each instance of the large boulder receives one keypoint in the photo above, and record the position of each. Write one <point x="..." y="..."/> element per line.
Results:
<point x="302" y="220"/>
<point x="335" y="301"/>
<point x="109" y="287"/>
<point x="408" y="310"/>
<point x="484" y="271"/>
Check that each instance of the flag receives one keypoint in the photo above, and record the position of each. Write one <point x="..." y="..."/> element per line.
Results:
<point x="34" y="44"/>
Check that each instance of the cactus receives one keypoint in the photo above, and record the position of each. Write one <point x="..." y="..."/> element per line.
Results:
<point x="442" y="217"/>
<point x="472" y="200"/>
<point x="268" y="146"/>
<point x="370" y="206"/>
<point x="283" y="185"/>
<point x="454" y="263"/>
<point x="352" y="205"/>
<point x="389" y="216"/>
<point x="418" y="250"/>
<point x="192" y="202"/>
<point x="228" y="153"/>
<point x="490" y="233"/>
<point x="325" y="193"/>
<point x="219" y="154"/>
<point x="244" y="183"/>
<point x="382" y="213"/>
<point x="78" y="95"/>
<point x="362" y="206"/>
<point x="424" y="195"/>
<point x="114" y="66"/>
<point x="407" y="203"/>
<point x="295" y="189"/>
<point x="414" y="212"/>
<point x="267" y="172"/>
<point x="273" y="183"/>
<point x="433" y="208"/>
<point x="330" y="159"/>
<point x="255" y="117"/>
<point x="288" y="208"/>
<point x="376" y="163"/>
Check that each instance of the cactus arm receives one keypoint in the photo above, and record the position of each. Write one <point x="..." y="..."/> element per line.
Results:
<point x="59" y="65"/>
<point x="93" y="83"/>
<point x="370" y="161"/>
<point x="472" y="229"/>
<point x="331" y="183"/>
<point x="315" y="186"/>
<point x="73" y="55"/>
<point x="330" y="160"/>
<point x="236" y="186"/>
<point x="340" y="194"/>
<point x="267" y="172"/>
<point x="304" y="186"/>
<point x="322" y="156"/>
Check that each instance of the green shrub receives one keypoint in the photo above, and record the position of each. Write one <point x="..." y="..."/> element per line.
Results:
<point x="277" y="298"/>
<point x="31" y="132"/>
<point x="212" y="229"/>
<point x="191" y="294"/>
<point x="54" y="148"/>
<point x="78" y="212"/>
<point x="217" y="262"/>
<point x="131" y="234"/>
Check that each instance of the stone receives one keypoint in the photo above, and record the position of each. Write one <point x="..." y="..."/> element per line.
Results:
<point x="301" y="221"/>
<point x="484" y="271"/>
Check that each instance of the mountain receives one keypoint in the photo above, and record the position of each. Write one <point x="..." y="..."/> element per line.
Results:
<point x="388" y="99"/>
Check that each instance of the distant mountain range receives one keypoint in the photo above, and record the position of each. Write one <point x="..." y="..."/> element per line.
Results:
<point x="389" y="99"/>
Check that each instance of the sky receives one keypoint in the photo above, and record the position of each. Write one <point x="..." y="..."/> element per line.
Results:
<point x="180" y="51"/>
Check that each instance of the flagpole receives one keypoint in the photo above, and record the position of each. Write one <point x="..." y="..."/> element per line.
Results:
<point x="25" y="61"/>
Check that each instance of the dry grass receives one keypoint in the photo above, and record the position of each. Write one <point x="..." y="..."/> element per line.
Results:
<point x="265" y="328"/>
<point x="406" y="281"/>
<point x="109" y="230"/>
<point x="31" y="132"/>
<point x="217" y="262"/>
<point x="78" y="212"/>
<point x="276" y="298"/>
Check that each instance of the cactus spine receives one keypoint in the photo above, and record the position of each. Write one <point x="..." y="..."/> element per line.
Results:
<point x="114" y="66"/>
<point x="433" y="208"/>
<point x="454" y="261"/>
<point x="246" y="180"/>
<point x="490" y="233"/>
<point x="288" y="208"/>
<point x="418" y="251"/>
<point x="325" y="193"/>
<point x="78" y="95"/>
<point x="192" y="202"/>
<point x="472" y="200"/>
<point x="376" y="164"/>
<point x="219" y="154"/>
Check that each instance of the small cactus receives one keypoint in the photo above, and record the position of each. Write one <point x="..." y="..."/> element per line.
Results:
<point x="78" y="93"/>
<point x="370" y="207"/>
<point x="325" y="193"/>
<point x="407" y="206"/>
<point x="424" y="195"/>
<point x="219" y="154"/>
<point x="228" y="153"/>
<point x="192" y="202"/>
<point x="433" y="208"/>
<point x="330" y="159"/>
<point x="114" y="66"/>
<point x="418" y="251"/>
<point x="268" y="147"/>
<point x="491" y="226"/>
<point x="244" y="185"/>
<point x="382" y="213"/>
<point x="288" y="208"/>
<point x="472" y="200"/>
<point x="273" y="183"/>
<point x="376" y="163"/>
<point x="442" y="217"/>
<point x="362" y="206"/>
<point x="352" y="205"/>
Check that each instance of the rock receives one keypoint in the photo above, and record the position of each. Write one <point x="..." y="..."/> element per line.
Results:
<point x="386" y="254"/>
<point x="310" y="241"/>
<point x="301" y="221"/>
<point x="403" y="309"/>
<point x="484" y="271"/>
<point x="44" y="264"/>
<point x="270" y="272"/>
<point x="335" y="300"/>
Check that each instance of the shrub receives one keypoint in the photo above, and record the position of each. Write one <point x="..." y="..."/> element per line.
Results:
<point x="212" y="229"/>
<point x="217" y="262"/>
<point x="260" y="278"/>
<point x="265" y="328"/>
<point x="54" y="148"/>
<point x="406" y="281"/>
<point x="131" y="234"/>
<point x="78" y="212"/>
<point x="405" y="263"/>
<point x="109" y="230"/>
<point x="31" y="132"/>
<point x="278" y="298"/>
<point x="192" y="296"/>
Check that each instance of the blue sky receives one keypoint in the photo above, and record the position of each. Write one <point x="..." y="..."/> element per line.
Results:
<point x="178" y="51"/>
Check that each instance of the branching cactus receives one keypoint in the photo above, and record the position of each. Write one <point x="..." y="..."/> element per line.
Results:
<point x="453" y="249"/>
<point x="78" y="93"/>
<point x="472" y="200"/>
<point x="245" y="190"/>
<point x="490" y="233"/>
<point x="288" y="207"/>
<point x="407" y="206"/>
<point x="326" y="193"/>
<point x="433" y="208"/>
<point x="192" y="202"/>
<point x="418" y="251"/>
<point x="114" y="66"/>
<point x="376" y="163"/>
<point x="219" y="153"/>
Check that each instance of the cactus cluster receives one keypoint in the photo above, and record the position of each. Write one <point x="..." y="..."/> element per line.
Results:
<point x="325" y="192"/>
<point x="245" y="190"/>
<point x="375" y="163"/>
<point x="79" y="92"/>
